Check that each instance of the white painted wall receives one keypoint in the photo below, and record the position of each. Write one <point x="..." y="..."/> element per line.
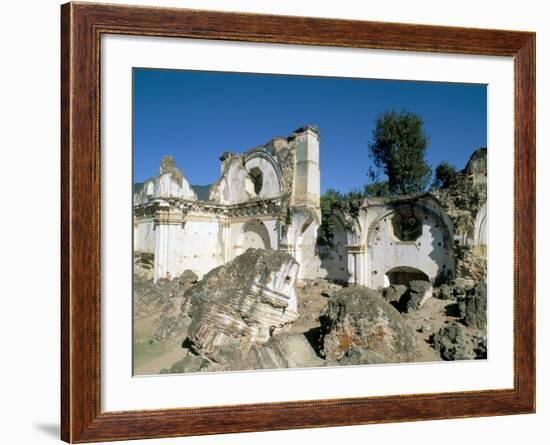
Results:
<point x="429" y="253"/>
<point x="334" y="259"/>
<point x="201" y="247"/>
<point x="271" y="187"/>
<point x="235" y="186"/>
<point x="166" y="186"/>
<point x="252" y="232"/>
<point x="144" y="236"/>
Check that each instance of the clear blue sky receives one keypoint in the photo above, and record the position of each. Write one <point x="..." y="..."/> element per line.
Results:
<point x="195" y="116"/>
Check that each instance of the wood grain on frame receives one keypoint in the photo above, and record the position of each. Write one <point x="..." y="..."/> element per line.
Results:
<point x="81" y="28"/>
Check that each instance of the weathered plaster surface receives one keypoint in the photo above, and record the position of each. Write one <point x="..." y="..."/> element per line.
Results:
<point x="259" y="201"/>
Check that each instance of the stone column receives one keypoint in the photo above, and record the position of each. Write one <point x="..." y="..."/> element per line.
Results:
<point x="357" y="264"/>
<point x="351" y="268"/>
<point x="167" y="220"/>
<point x="161" y="251"/>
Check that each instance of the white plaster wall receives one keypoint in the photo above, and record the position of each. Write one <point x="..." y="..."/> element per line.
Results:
<point x="241" y="239"/>
<point x="201" y="248"/>
<point x="166" y="186"/>
<point x="428" y="253"/>
<point x="306" y="254"/>
<point x="255" y="236"/>
<point x="146" y="192"/>
<point x="144" y="236"/>
<point x="271" y="187"/>
<point x="235" y="186"/>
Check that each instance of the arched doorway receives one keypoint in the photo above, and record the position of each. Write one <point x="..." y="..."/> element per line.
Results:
<point x="255" y="235"/>
<point x="404" y="275"/>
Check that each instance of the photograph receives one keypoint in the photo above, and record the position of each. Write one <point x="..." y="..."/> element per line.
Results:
<point x="292" y="221"/>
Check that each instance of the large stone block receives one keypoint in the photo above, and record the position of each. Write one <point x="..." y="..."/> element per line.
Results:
<point x="242" y="303"/>
<point x="358" y="322"/>
<point x="473" y="307"/>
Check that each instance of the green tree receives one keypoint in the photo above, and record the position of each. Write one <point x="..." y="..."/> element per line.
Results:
<point x="398" y="149"/>
<point x="377" y="189"/>
<point x="330" y="200"/>
<point x="333" y="201"/>
<point x="444" y="175"/>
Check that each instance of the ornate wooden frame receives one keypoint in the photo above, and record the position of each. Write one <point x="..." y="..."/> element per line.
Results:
<point x="81" y="28"/>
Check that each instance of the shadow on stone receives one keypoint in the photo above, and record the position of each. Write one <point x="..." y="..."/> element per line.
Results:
<point x="452" y="310"/>
<point x="313" y="336"/>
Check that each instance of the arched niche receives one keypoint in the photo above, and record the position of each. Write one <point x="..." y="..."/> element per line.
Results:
<point x="255" y="235"/>
<point x="334" y="257"/>
<point x="424" y="253"/>
<point x="265" y="175"/>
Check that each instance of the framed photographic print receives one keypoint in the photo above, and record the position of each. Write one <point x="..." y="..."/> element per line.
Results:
<point x="274" y="222"/>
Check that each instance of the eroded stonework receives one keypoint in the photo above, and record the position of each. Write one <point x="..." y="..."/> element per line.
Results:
<point x="266" y="197"/>
<point x="269" y="198"/>
<point x="241" y="304"/>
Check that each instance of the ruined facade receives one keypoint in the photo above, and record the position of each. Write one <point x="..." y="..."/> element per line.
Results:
<point x="269" y="198"/>
<point x="433" y="236"/>
<point x="266" y="197"/>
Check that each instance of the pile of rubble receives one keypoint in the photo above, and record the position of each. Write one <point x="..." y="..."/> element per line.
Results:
<point x="243" y="316"/>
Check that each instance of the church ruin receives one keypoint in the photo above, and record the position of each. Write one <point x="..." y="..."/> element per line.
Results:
<point x="269" y="197"/>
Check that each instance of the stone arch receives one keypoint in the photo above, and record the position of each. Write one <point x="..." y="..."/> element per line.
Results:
<point x="420" y="211"/>
<point x="430" y="252"/>
<point x="265" y="174"/>
<point x="255" y="235"/>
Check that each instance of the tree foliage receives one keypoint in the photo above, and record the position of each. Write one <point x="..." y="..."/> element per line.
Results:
<point x="398" y="148"/>
<point x="377" y="189"/>
<point x="332" y="201"/>
<point x="444" y="175"/>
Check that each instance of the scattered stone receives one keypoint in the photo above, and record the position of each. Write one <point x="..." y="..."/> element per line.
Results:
<point x="473" y="307"/>
<point x="190" y="363"/>
<point x="446" y="292"/>
<point x="354" y="357"/>
<point x="480" y="346"/>
<point x="394" y="292"/>
<point x="171" y="327"/>
<point x="452" y="343"/>
<point x="143" y="265"/>
<point x="425" y="328"/>
<point x="463" y="285"/>
<point x="418" y="293"/>
<point x="160" y="303"/>
<point x="188" y="277"/>
<point x="281" y="351"/>
<point x="358" y="318"/>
